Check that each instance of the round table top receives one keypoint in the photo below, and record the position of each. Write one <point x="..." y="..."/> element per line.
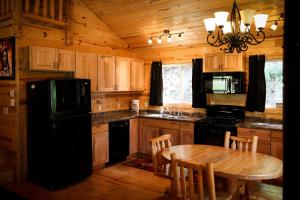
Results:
<point x="230" y="163"/>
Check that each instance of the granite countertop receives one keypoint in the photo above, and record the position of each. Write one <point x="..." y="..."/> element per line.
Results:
<point x="123" y="115"/>
<point x="260" y="123"/>
<point x="250" y="122"/>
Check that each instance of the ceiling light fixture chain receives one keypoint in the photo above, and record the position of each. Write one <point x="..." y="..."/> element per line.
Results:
<point x="235" y="33"/>
<point x="165" y="33"/>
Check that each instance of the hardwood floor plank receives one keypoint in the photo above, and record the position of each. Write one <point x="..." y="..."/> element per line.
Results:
<point x="119" y="182"/>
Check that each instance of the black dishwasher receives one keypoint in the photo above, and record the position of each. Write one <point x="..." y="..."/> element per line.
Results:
<point x="118" y="141"/>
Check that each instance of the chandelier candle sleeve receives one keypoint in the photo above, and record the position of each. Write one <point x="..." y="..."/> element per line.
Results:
<point x="236" y="32"/>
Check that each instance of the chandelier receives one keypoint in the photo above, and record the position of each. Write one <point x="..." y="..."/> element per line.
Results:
<point x="235" y="33"/>
<point x="165" y="33"/>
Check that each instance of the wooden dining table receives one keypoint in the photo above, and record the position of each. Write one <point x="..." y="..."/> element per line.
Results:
<point x="231" y="164"/>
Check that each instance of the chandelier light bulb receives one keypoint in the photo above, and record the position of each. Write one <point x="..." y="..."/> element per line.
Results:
<point x="159" y="41"/>
<point x="221" y="18"/>
<point x="210" y="24"/>
<point x="246" y="16"/>
<point x="170" y="39"/>
<point x="260" y="20"/>
<point x="149" y="41"/>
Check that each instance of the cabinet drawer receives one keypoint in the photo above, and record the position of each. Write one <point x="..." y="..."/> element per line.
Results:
<point x="162" y="124"/>
<point x="249" y="132"/>
<point x="100" y="127"/>
<point x="187" y="126"/>
<point x="276" y="135"/>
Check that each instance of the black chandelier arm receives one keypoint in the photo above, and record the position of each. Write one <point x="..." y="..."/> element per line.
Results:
<point x="216" y="41"/>
<point x="253" y="41"/>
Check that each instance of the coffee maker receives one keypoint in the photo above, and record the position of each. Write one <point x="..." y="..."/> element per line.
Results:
<point x="135" y="105"/>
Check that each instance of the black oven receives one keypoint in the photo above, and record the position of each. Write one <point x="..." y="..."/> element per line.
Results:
<point x="223" y="82"/>
<point x="212" y="132"/>
<point x="219" y="119"/>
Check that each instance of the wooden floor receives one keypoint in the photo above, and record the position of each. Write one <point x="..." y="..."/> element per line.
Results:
<point x="121" y="182"/>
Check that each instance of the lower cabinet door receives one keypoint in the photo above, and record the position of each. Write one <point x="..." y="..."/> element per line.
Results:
<point x="276" y="149"/>
<point x="100" y="149"/>
<point x="186" y="137"/>
<point x="150" y="132"/>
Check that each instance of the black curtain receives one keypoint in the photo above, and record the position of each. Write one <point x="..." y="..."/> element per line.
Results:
<point x="156" y="85"/>
<point x="256" y="96"/>
<point x="199" y="97"/>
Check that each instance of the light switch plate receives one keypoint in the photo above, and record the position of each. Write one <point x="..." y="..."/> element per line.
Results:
<point x="118" y="105"/>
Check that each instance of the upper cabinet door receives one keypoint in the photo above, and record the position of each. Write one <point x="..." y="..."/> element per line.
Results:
<point x="213" y="62"/>
<point x="122" y="74"/>
<point x="221" y="62"/>
<point x="137" y="74"/>
<point x="86" y="67"/>
<point x="233" y="62"/>
<point x="66" y="60"/>
<point x="43" y="58"/>
<point x="106" y="73"/>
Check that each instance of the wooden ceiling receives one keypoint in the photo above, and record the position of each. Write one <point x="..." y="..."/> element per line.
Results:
<point x="134" y="21"/>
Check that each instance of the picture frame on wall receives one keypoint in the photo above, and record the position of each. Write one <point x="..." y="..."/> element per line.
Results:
<point x="7" y="58"/>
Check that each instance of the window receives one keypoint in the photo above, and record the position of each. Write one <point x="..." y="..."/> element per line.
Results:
<point x="274" y="85"/>
<point x="177" y="80"/>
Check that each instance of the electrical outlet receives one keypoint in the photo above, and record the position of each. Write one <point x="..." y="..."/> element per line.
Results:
<point x="5" y="110"/>
<point x="99" y="107"/>
<point x="146" y="104"/>
<point x="12" y="102"/>
<point x="118" y="105"/>
<point x="12" y="93"/>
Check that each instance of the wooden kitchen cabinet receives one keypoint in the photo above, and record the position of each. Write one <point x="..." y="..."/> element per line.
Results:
<point x="86" y="67"/>
<point x="100" y="145"/>
<point x="219" y="62"/>
<point x="106" y="73"/>
<point x="122" y="74"/>
<point x="264" y="138"/>
<point x="113" y="73"/>
<point x="150" y="132"/>
<point x="36" y="58"/>
<point x="137" y="74"/>
<point x="134" y="136"/>
<point x="186" y="133"/>
<point x="276" y="144"/>
<point x="154" y="128"/>
<point x="66" y="60"/>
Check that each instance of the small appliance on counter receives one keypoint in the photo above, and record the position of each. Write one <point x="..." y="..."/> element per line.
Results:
<point x="135" y="105"/>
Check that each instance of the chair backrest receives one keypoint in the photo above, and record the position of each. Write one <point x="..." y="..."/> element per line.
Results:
<point x="183" y="182"/>
<point x="240" y="143"/>
<point x="158" y="145"/>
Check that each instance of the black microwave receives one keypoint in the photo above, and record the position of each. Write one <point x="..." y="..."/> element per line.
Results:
<point x="223" y="82"/>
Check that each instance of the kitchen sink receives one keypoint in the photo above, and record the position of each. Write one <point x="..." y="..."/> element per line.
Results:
<point x="169" y="116"/>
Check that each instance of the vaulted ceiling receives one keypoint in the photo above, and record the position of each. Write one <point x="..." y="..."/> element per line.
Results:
<point x="134" y="21"/>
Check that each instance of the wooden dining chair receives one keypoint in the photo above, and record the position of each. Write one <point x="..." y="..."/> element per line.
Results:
<point x="161" y="165"/>
<point x="188" y="181"/>
<point x="241" y="144"/>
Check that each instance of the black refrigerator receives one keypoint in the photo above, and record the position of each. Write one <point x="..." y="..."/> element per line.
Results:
<point x="59" y="132"/>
